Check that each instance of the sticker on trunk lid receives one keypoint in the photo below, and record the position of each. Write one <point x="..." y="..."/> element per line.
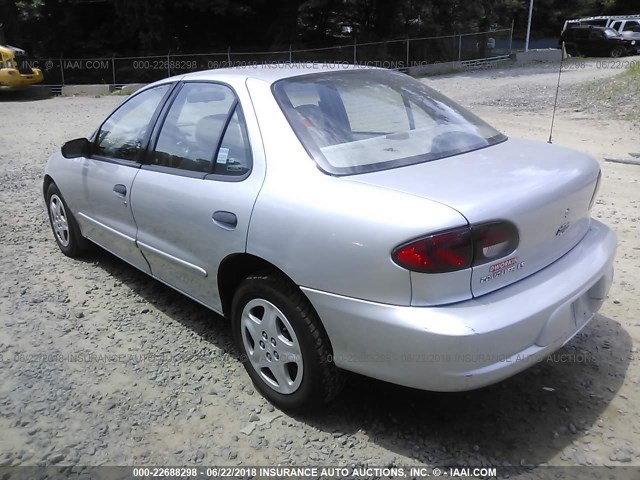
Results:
<point x="502" y="268"/>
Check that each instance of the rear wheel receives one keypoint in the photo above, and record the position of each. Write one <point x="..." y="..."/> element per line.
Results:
<point x="64" y="226"/>
<point x="283" y="345"/>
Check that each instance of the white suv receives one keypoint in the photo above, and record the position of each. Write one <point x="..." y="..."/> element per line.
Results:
<point x="632" y="25"/>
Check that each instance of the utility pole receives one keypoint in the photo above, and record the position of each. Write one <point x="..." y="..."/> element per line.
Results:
<point x="526" y="45"/>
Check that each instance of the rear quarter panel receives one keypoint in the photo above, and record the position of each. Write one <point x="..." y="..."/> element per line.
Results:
<point x="330" y="233"/>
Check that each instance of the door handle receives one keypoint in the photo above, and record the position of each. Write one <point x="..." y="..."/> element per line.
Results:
<point x="226" y="220"/>
<point x="120" y="190"/>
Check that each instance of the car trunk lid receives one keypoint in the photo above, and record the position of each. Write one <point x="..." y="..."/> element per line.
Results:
<point x="544" y="190"/>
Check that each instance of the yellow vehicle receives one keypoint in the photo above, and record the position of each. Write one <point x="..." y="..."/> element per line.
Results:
<point x="13" y="73"/>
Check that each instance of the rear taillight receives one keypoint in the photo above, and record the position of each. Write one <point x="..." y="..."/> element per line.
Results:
<point x="493" y="240"/>
<point x="439" y="253"/>
<point x="458" y="249"/>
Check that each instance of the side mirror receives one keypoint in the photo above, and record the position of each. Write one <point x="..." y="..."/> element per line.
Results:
<point x="80" y="147"/>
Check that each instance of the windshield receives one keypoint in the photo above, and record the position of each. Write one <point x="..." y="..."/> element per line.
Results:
<point x="360" y="121"/>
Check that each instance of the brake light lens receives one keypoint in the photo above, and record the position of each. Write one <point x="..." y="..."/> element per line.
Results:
<point x="439" y="253"/>
<point x="458" y="249"/>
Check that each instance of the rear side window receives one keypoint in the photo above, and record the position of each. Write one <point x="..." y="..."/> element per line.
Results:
<point x="122" y="135"/>
<point x="361" y="121"/>
<point x="581" y="34"/>
<point x="204" y="132"/>
<point x="632" y="26"/>
<point x="234" y="155"/>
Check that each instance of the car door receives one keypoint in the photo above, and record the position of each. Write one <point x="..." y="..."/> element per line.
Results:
<point x="107" y="176"/>
<point x="577" y="39"/>
<point x="193" y="197"/>
<point x="599" y="43"/>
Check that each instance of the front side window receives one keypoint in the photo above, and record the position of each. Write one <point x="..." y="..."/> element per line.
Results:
<point x="366" y="120"/>
<point x="123" y="134"/>
<point x="204" y="132"/>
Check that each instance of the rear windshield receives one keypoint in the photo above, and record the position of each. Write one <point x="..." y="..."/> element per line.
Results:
<point x="360" y="121"/>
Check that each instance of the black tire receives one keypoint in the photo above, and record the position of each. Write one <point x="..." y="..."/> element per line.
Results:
<point x="72" y="244"/>
<point x="617" y="52"/>
<point x="321" y="380"/>
<point x="571" y="50"/>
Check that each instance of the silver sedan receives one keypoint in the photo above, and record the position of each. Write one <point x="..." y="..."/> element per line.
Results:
<point x="344" y="219"/>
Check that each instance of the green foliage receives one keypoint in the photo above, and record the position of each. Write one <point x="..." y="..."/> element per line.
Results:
<point x="116" y="27"/>
<point x="29" y="9"/>
<point x="634" y="71"/>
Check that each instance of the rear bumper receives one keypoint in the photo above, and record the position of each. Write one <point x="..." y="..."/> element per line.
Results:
<point x="477" y="342"/>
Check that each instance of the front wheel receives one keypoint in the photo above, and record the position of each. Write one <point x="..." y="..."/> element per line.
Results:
<point x="617" y="52"/>
<point x="63" y="224"/>
<point x="283" y="345"/>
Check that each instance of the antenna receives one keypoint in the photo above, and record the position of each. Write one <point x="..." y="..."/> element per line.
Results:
<point x="555" y="103"/>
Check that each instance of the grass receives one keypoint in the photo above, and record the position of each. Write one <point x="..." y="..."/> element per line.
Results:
<point x="123" y="92"/>
<point x="616" y="96"/>
<point x="633" y="70"/>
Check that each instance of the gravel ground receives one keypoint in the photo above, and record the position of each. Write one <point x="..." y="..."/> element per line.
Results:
<point x="582" y="89"/>
<point x="102" y="365"/>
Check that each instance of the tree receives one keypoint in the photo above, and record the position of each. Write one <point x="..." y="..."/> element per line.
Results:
<point x="79" y="28"/>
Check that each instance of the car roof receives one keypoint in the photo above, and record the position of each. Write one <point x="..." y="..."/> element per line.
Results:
<point x="271" y="73"/>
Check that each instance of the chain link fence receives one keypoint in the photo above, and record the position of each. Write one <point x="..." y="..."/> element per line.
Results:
<point x="394" y="54"/>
